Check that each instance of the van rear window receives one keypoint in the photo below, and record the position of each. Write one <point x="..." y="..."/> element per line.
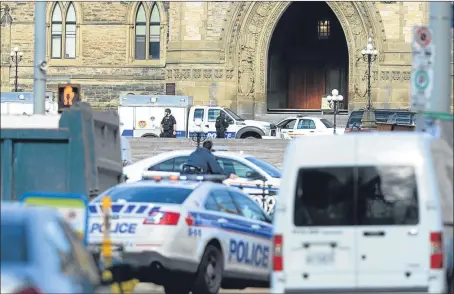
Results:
<point x="348" y="196"/>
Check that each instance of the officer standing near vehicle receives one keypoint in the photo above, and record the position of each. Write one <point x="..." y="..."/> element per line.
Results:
<point x="202" y="161"/>
<point x="168" y="125"/>
<point x="221" y="125"/>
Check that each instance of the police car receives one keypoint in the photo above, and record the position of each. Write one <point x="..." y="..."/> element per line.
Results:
<point x="188" y="233"/>
<point x="247" y="168"/>
<point x="297" y="126"/>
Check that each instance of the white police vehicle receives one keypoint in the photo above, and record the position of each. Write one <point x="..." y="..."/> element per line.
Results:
<point x="246" y="167"/>
<point x="188" y="234"/>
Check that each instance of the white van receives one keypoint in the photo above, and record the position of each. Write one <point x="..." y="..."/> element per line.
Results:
<point x="359" y="214"/>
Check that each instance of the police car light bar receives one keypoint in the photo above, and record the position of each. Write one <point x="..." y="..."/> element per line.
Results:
<point x="199" y="178"/>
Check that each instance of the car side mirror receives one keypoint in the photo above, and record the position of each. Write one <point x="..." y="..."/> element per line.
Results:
<point x="231" y="121"/>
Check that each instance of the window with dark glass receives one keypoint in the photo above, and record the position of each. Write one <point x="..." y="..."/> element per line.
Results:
<point x="141" y="27"/>
<point x="56" y="32"/>
<point x="155" y="33"/>
<point x="231" y="166"/>
<point x="179" y="161"/>
<point x="63" y="32"/>
<point x="70" y="32"/>
<point x="198" y="113"/>
<point x="147" y="40"/>
<point x="165" y="166"/>
<point x="323" y="29"/>
<point x="387" y="195"/>
<point x="287" y="124"/>
<point x="324" y="197"/>
<point x="306" y="124"/>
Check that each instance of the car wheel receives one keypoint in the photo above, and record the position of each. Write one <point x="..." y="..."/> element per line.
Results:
<point x="209" y="275"/>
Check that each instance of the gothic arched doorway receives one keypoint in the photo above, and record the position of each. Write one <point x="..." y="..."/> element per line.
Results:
<point x="307" y="58"/>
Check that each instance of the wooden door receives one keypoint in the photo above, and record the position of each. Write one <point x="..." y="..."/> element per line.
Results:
<point x="306" y="86"/>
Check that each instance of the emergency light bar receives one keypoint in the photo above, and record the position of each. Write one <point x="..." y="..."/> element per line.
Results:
<point x="199" y="178"/>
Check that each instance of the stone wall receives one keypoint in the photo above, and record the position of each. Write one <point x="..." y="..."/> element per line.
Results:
<point x="203" y="44"/>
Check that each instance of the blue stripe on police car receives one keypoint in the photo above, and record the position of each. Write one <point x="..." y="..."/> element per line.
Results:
<point x="232" y="224"/>
<point x="249" y="253"/>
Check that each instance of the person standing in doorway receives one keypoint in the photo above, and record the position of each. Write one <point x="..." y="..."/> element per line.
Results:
<point x="168" y="125"/>
<point x="221" y="125"/>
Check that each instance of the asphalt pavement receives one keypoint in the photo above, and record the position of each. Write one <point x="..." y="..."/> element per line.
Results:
<point x="152" y="288"/>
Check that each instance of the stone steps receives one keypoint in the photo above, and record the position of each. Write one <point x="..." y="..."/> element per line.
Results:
<point x="271" y="151"/>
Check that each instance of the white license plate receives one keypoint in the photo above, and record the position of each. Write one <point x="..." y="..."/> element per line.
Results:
<point x="320" y="258"/>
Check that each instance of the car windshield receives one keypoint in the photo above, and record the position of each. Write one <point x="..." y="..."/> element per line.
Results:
<point x="14" y="242"/>
<point x="327" y="123"/>
<point x="233" y="114"/>
<point x="268" y="168"/>
<point x="158" y="194"/>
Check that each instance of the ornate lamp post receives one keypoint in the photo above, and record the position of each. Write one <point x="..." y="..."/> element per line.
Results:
<point x="198" y="134"/>
<point x="16" y="57"/>
<point x="369" y="55"/>
<point x="334" y="99"/>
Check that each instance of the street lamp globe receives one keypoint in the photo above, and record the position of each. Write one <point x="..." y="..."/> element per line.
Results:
<point x="335" y="92"/>
<point x="375" y="52"/>
<point x="21" y="53"/>
<point x="329" y="98"/>
<point x="340" y="98"/>
<point x="198" y="122"/>
<point x="12" y="53"/>
<point x="16" y="49"/>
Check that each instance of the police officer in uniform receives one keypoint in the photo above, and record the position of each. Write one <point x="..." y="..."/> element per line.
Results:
<point x="202" y="161"/>
<point x="221" y="125"/>
<point x="168" y="125"/>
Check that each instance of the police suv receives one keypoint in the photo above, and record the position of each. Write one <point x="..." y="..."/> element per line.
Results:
<point x="188" y="233"/>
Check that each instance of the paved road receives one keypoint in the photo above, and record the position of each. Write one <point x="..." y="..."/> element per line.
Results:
<point x="151" y="288"/>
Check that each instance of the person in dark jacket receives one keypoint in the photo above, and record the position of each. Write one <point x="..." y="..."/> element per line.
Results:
<point x="202" y="161"/>
<point x="221" y="125"/>
<point x="168" y="125"/>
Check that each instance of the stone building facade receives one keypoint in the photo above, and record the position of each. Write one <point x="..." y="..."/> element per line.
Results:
<point x="213" y="51"/>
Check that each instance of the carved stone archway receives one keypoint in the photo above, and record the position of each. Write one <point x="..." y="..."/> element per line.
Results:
<point x="249" y="35"/>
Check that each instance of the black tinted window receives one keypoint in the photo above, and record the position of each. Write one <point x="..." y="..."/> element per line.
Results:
<point x="387" y="196"/>
<point x="179" y="161"/>
<point x="324" y="197"/>
<point x="210" y="204"/>
<point x="14" y="242"/>
<point x="175" y="195"/>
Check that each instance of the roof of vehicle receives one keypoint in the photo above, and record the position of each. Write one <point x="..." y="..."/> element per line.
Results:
<point x="170" y="154"/>
<point x="402" y="147"/>
<point x="304" y="116"/>
<point x="165" y="183"/>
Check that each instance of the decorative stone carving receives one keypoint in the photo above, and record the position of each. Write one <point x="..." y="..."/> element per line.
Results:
<point x="385" y="76"/>
<point x="229" y="74"/>
<point x="186" y="74"/>
<point x="395" y="75"/>
<point x="218" y="74"/>
<point x="169" y="75"/>
<point x="176" y="74"/>
<point x="196" y="73"/>
<point x="207" y="74"/>
<point x="246" y="67"/>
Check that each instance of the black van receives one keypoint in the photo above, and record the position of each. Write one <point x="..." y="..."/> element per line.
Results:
<point x="398" y="116"/>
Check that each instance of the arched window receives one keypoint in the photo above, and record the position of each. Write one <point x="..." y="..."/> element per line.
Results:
<point x="63" y="32"/>
<point x="57" y="30"/>
<point x="155" y="33"/>
<point x="70" y="32"/>
<point x="141" y="27"/>
<point x="147" y="40"/>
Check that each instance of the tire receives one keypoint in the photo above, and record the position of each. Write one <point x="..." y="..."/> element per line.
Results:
<point x="251" y="137"/>
<point x="209" y="275"/>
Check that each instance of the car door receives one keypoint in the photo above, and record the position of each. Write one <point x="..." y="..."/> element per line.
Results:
<point x="243" y="172"/>
<point x="260" y="230"/>
<point x="288" y="127"/>
<point x="319" y="246"/>
<point x="393" y="250"/>
<point x="213" y="114"/>
<point x="228" y="219"/>
<point x="305" y="127"/>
